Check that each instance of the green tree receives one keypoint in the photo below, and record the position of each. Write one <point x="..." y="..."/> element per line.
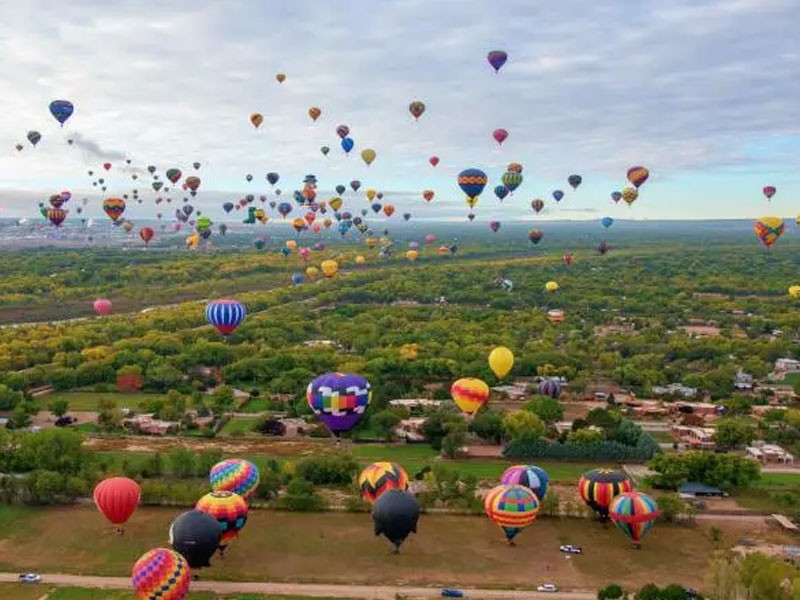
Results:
<point x="385" y="422"/>
<point x="585" y="437"/>
<point x="435" y="426"/>
<point x="611" y="592"/>
<point x="522" y="423"/>
<point x="456" y="438"/>
<point x="488" y="425"/>
<point x="182" y="463"/>
<point x="162" y="376"/>
<point x="602" y="417"/>
<point x="549" y="410"/>
<point x="57" y="450"/>
<point x="732" y="433"/>
<point x="108" y="416"/>
<point x="222" y="400"/>
<point x="9" y="398"/>
<point x="301" y="496"/>
<point x="649" y="591"/>
<point x="58" y="407"/>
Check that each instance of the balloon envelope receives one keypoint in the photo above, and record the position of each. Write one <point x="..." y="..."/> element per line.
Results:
<point x="501" y="359"/>
<point x="532" y="477"/>
<point x="161" y="574"/>
<point x="195" y="535"/>
<point x="235" y="475"/>
<point x="634" y="513"/>
<point x="117" y="498"/>
<point x="598" y="488"/>
<point x="380" y="477"/>
<point x="339" y="399"/>
<point x="469" y="394"/>
<point x="395" y="515"/>
<point x="512" y="508"/>
<point x="225" y="315"/>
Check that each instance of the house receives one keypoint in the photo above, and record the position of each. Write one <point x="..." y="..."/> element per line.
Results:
<point x="704" y="409"/>
<point x="321" y="344"/>
<point x="743" y="381"/>
<point x="696" y="437"/>
<point x="647" y="409"/>
<point x="787" y="365"/>
<point x="514" y="391"/>
<point x="769" y="453"/>
<point x="147" y="425"/>
<point x="410" y="430"/>
<point x="699" y="490"/>
<point x="675" y="389"/>
<point x="701" y="331"/>
<point x="415" y="405"/>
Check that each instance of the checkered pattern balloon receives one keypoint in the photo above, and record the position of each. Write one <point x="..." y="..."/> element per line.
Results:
<point x="532" y="477"/>
<point x="161" y="574"/>
<point x="339" y="400"/>
<point x="230" y="511"/>
<point x="235" y="475"/>
<point x="512" y="508"/>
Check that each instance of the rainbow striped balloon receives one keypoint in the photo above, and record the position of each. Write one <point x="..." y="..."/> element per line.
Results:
<point x="634" y="513"/>
<point x="512" y="508"/>
<point x="469" y="394"/>
<point x="235" y="475"/>
<point x="598" y="488"/>
<point x="381" y="477"/>
<point x="230" y="511"/>
<point x="161" y="574"/>
<point x="532" y="477"/>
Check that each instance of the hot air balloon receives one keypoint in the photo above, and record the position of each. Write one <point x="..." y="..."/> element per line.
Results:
<point x="195" y="536"/>
<point x="634" y="513"/>
<point x="535" y="236"/>
<point x="193" y="183"/>
<point x="497" y="58"/>
<point x="56" y="216"/>
<point x="230" y="512"/>
<point x="769" y="229"/>
<point x="556" y="315"/>
<point x="532" y="477"/>
<point x="412" y="255"/>
<point x="551" y="286"/>
<point x="500" y="136"/>
<point x="174" y="175"/>
<point x="434" y="160"/>
<point x="273" y="178"/>
<point x="511" y="508"/>
<point x="256" y="119"/>
<point x="637" y="176"/>
<point x="102" y="306"/>
<point x="225" y="315"/>
<point x="469" y="394"/>
<point x="549" y="387"/>
<point x="34" y="137"/>
<point x="537" y="205"/>
<point x="161" y="574"/>
<point x="501" y="359"/>
<point x="368" y="155"/>
<point x="146" y="233"/>
<point x="380" y="477"/>
<point x="428" y="195"/>
<point x="472" y="182"/>
<point x="347" y="144"/>
<point x="280" y="77"/>
<point x="342" y="131"/>
<point x="501" y="191"/>
<point x="117" y="498"/>
<point x="107" y="167"/>
<point x="629" y="195"/>
<point x="512" y="180"/>
<point x="61" y="110"/>
<point x="395" y="515"/>
<point x="616" y="196"/>
<point x="329" y="268"/>
<point x="314" y="113"/>
<point x="235" y="475"/>
<point x="416" y="109"/>
<point x="355" y="185"/>
<point x="558" y="195"/>
<point x="607" y="222"/>
<point x="769" y="191"/>
<point x="494" y="226"/>
<point x="574" y="181"/>
<point x="325" y="150"/>
<point x="794" y="291"/>
<point x="598" y="488"/>
<point x="339" y="400"/>
<point x="297" y="278"/>
<point x="388" y="209"/>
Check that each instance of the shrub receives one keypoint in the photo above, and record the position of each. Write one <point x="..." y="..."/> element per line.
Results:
<point x="301" y="496"/>
<point x="338" y="469"/>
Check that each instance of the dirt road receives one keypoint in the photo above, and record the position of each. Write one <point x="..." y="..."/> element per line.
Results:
<point x="360" y="592"/>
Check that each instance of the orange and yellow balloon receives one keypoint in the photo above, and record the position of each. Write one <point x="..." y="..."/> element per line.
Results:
<point x="469" y="394"/>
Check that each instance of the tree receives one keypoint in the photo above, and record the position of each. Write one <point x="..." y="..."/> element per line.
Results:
<point x="21" y="415"/>
<point x="792" y="417"/>
<point x="384" y="422"/>
<point x="301" y="496"/>
<point x="9" y="398"/>
<point x="58" y="450"/>
<point x="603" y="418"/>
<point x="585" y="436"/>
<point x="549" y="410"/>
<point x="488" y="425"/>
<point x="456" y="438"/>
<point x="611" y="592"/>
<point x="162" y="376"/>
<point x="724" y="470"/>
<point x="649" y="591"/>
<point x="732" y="433"/>
<point x="222" y="400"/>
<point x="435" y="426"/>
<point x="181" y="463"/>
<point x="108" y="417"/>
<point x="58" y="407"/>
<point x="522" y="423"/>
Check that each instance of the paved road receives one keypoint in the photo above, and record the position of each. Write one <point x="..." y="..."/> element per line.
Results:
<point x="361" y="592"/>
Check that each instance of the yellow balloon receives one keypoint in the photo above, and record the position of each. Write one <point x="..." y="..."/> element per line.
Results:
<point x="335" y="202"/>
<point x="551" y="286"/>
<point x="291" y="245"/>
<point x="371" y="194"/>
<point x="794" y="291"/>
<point x="629" y="195"/>
<point x="193" y="240"/>
<point x="360" y="260"/>
<point x="501" y="359"/>
<point x="329" y="267"/>
<point x="312" y="272"/>
<point x="412" y="255"/>
<point x="368" y="156"/>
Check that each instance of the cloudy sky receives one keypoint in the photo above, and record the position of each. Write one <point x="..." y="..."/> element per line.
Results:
<point x="705" y="93"/>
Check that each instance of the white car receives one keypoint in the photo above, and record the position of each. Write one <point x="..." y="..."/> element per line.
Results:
<point x="29" y="578"/>
<point x="570" y="549"/>
<point x="547" y="587"/>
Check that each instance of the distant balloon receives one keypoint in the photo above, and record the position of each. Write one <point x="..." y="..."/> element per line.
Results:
<point x="607" y="222"/>
<point x="535" y="236"/>
<point x="494" y="226"/>
<point x="769" y="229"/>
<point x="472" y="182"/>
<point x="574" y="181"/>
<point x="549" y="387"/>
<point x="355" y="185"/>
<point x="325" y="150"/>
<point x="769" y="191"/>
<point x="256" y="119"/>
<point x="368" y="156"/>
<point x="537" y="205"/>
<point x="637" y="176"/>
<point x="347" y="144"/>
<point x="314" y="112"/>
<point x="434" y="160"/>
<point x="146" y="233"/>
<point x="339" y="399"/>
<point x="558" y="195"/>
<point x="34" y="137"/>
<point x="342" y="131"/>
<point x="61" y="110"/>
<point x="501" y="359"/>
<point x="225" y="315"/>
<point x="501" y="192"/>
<point x="497" y="58"/>
<point x="500" y="136"/>
<point x="629" y="195"/>
<point x="616" y="196"/>
<point x="102" y="306"/>
<point x="280" y="77"/>
<point x="416" y="109"/>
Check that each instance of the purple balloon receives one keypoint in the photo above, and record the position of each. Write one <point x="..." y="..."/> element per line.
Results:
<point x="339" y="400"/>
<point x="497" y="58"/>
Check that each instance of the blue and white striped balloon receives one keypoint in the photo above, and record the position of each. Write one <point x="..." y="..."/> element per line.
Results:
<point x="225" y="315"/>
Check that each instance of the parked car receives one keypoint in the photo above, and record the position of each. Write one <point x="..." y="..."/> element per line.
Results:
<point x="547" y="587"/>
<point x="570" y="549"/>
<point x="452" y="593"/>
<point x="29" y="578"/>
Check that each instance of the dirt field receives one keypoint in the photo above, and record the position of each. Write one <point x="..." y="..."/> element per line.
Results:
<point x="341" y="548"/>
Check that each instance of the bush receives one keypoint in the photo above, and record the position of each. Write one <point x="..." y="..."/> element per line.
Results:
<point x="337" y="469"/>
<point x="605" y="450"/>
<point x="301" y="496"/>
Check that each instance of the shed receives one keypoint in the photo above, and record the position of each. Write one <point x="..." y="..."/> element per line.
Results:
<point x="699" y="490"/>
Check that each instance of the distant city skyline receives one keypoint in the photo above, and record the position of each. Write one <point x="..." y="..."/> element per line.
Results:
<point x="702" y="93"/>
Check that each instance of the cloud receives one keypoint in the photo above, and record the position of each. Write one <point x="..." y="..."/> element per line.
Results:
<point x="93" y="149"/>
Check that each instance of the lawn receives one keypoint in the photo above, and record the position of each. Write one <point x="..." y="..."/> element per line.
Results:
<point x="340" y="548"/>
<point x="88" y="401"/>
<point x="15" y="591"/>
<point x="238" y="426"/>
<point x="774" y="492"/>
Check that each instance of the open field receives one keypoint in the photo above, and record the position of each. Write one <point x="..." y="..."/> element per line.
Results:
<point x="88" y="401"/>
<point x="15" y="591"/>
<point x="341" y="548"/>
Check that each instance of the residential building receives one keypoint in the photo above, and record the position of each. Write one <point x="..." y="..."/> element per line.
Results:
<point x="415" y="405"/>
<point x="696" y="437"/>
<point x="147" y="425"/>
<point x="514" y="391"/>
<point x="675" y="389"/>
<point x="787" y="365"/>
<point x="704" y="409"/>
<point x="694" y="489"/>
<point x="410" y="430"/>
<point x="769" y="453"/>
<point x="743" y="381"/>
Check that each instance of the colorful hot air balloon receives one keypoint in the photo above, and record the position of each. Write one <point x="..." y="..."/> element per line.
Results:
<point x="511" y="508"/>
<point x="598" y="488"/>
<point x="634" y="513"/>
<point x="535" y="236"/>
<point x="472" y="182"/>
<point x="56" y="216"/>
<point x="61" y="110"/>
<point x="537" y="205"/>
<point x="551" y="286"/>
<point x="146" y="233"/>
<point x="114" y="207"/>
<point x="494" y="226"/>
<point x="117" y="498"/>
<point x="497" y="58"/>
<point x="532" y="477"/>
<point x="629" y="195"/>
<point x="102" y="306"/>
<point x="549" y="387"/>
<point x="469" y="394"/>
<point x="368" y="156"/>
<point x="314" y="112"/>
<point x="769" y="229"/>
<point x="225" y="315"/>
<point x="235" y="475"/>
<point x="395" y="515"/>
<point x="500" y="136"/>
<point x="256" y="119"/>
<point x="229" y="510"/>
<point x="339" y="400"/>
<point x="769" y="191"/>
<point x="416" y="109"/>
<point x="794" y="291"/>
<point x="501" y="359"/>
<point x="381" y="477"/>
<point x="329" y="268"/>
<point x="512" y="180"/>
<point x="195" y="536"/>
<point x="161" y="574"/>
<point x="637" y="176"/>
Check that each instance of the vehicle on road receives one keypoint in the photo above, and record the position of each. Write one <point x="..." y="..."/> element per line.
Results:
<point x="452" y="593"/>
<point x="547" y="587"/>
<point x="570" y="549"/>
<point x="29" y="578"/>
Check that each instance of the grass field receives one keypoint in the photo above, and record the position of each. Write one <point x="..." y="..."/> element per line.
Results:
<point x="341" y="548"/>
<point x="88" y="401"/>
<point x="238" y="426"/>
<point x="771" y="492"/>
<point x="13" y="591"/>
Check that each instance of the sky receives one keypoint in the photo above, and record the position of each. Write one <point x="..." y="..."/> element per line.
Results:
<point x="703" y="93"/>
